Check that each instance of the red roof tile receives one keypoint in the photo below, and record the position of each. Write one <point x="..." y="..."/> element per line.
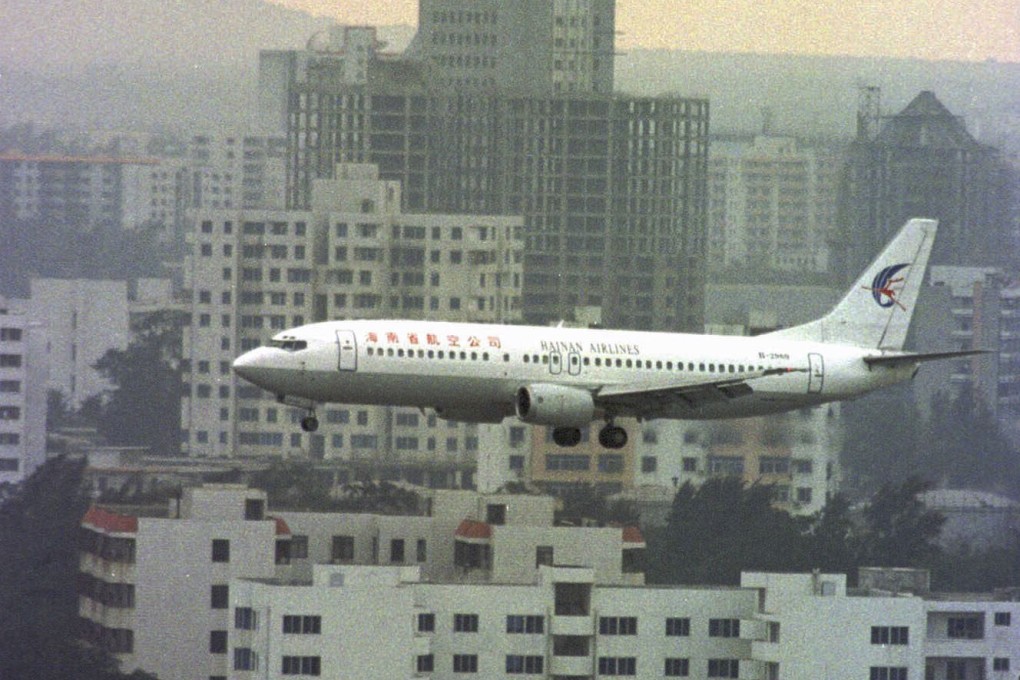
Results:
<point x="632" y="535"/>
<point x="110" y="522"/>
<point x="471" y="528"/>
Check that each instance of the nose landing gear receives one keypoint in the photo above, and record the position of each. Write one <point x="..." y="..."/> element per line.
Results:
<point x="309" y="423"/>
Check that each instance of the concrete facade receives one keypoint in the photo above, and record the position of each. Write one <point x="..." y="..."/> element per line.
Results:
<point x="355" y="254"/>
<point x="24" y="367"/>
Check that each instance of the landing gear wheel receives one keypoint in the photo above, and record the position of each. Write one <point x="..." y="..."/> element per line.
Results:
<point x="566" y="436"/>
<point x="612" y="437"/>
<point x="309" y="423"/>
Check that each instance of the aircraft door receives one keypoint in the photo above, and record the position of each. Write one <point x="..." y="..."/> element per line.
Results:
<point x="574" y="363"/>
<point x="816" y="373"/>
<point x="348" y="351"/>
<point x="555" y="363"/>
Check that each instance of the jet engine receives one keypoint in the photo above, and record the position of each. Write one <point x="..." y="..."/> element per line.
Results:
<point x="555" y="405"/>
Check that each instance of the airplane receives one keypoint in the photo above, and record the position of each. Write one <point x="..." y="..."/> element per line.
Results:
<point x="566" y="378"/>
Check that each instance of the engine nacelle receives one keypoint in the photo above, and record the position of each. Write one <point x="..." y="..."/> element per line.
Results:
<point x="555" y="405"/>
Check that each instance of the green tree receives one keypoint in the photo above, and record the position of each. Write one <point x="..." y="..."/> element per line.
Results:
<point x="832" y="538"/>
<point x="144" y="407"/>
<point x="721" y="528"/>
<point x="882" y="437"/>
<point x="899" y="531"/>
<point x="38" y="572"/>
<point x="588" y="502"/>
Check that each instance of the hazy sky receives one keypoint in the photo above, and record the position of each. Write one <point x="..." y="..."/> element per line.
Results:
<point x="959" y="30"/>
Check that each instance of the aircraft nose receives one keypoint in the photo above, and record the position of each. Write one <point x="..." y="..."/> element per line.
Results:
<point x="251" y="366"/>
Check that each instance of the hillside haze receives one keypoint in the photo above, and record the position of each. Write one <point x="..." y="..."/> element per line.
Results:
<point x="191" y="66"/>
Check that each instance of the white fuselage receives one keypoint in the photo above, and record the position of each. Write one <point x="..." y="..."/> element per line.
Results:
<point x="473" y="371"/>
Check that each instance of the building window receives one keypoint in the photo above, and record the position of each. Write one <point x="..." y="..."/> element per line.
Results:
<point x="421" y="550"/>
<point x="649" y="464"/>
<point x="1000" y="663"/>
<point x="218" y="642"/>
<point x="517" y="623"/>
<point x="220" y="550"/>
<point x="301" y="665"/>
<point x="219" y="596"/>
<point x="1002" y="618"/>
<point x="543" y="555"/>
<point x="465" y="623"/>
<point x="617" y="665"/>
<point x="343" y="548"/>
<point x="966" y="627"/>
<point x="677" y="668"/>
<point x="246" y="618"/>
<point x="299" y="547"/>
<point x="678" y="627"/>
<point x="888" y="673"/>
<point x="425" y="663"/>
<point x="728" y="628"/>
<point x="617" y="625"/>
<point x="397" y="550"/>
<point x="245" y="659"/>
<point x="525" y="664"/>
<point x="890" y="635"/>
<point x="465" y="663"/>
<point x="302" y="625"/>
<point x="426" y="622"/>
<point x="724" y="668"/>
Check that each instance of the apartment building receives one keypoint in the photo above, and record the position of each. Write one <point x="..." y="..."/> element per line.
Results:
<point x="85" y="319"/>
<point x="565" y="624"/>
<point x="154" y="590"/>
<point x="526" y="47"/>
<point x="24" y="368"/>
<point x="355" y="254"/>
<point x="80" y="191"/>
<point x="772" y="204"/>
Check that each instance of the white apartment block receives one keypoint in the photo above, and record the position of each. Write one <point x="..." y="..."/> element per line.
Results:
<point x="772" y="204"/>
<point x="154" y="590"/>
<point x="83" y="191"/>
<point x="565" y="624"/>
<point x="85" y="319"/>
<point x="23" y="375"/>
<point x="252" y="273"/>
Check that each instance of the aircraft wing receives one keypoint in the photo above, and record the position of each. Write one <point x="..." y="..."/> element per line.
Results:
<point x="650" y="399"/>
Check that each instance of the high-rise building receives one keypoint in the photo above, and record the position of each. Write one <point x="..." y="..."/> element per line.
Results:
<point x="772" y="204"/>
<point x="355" y="253"/>
<point x="611" y="188"/>
<point x="922" y="162"/>
<point x="86" y="319"/>
<point x="80" y="191"/>
<point x="23" y="375"/>
<point x="529" y="47"/>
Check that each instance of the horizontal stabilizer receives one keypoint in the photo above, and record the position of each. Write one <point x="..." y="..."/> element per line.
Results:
<point x="913" y="358"/>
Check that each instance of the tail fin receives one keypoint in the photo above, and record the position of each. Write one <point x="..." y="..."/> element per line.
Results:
<point x="876" y="311"/>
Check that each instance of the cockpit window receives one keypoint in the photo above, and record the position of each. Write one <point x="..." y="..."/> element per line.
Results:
<point x="289" y="344"/>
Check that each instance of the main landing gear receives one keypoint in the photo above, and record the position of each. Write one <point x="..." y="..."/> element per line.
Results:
<point x="610" y="436"/>
<point x="310" y="423"/>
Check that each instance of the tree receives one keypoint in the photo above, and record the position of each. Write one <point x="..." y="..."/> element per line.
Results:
<point x="721" y="528"/>
<point x="833" y="539"/>
<point x="144" y="407"/>
<point x="899" y="530"/>
<point x="587" y="502"/>
<point x="38" y="573"/>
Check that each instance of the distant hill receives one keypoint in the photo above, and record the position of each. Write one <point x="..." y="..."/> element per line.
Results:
<point x="191" y="65"/>
<point x="811" y="95"/>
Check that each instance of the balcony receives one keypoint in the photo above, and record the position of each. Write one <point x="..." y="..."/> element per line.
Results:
<point x="572" y="625"/>
<point x="572" y="666"/>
